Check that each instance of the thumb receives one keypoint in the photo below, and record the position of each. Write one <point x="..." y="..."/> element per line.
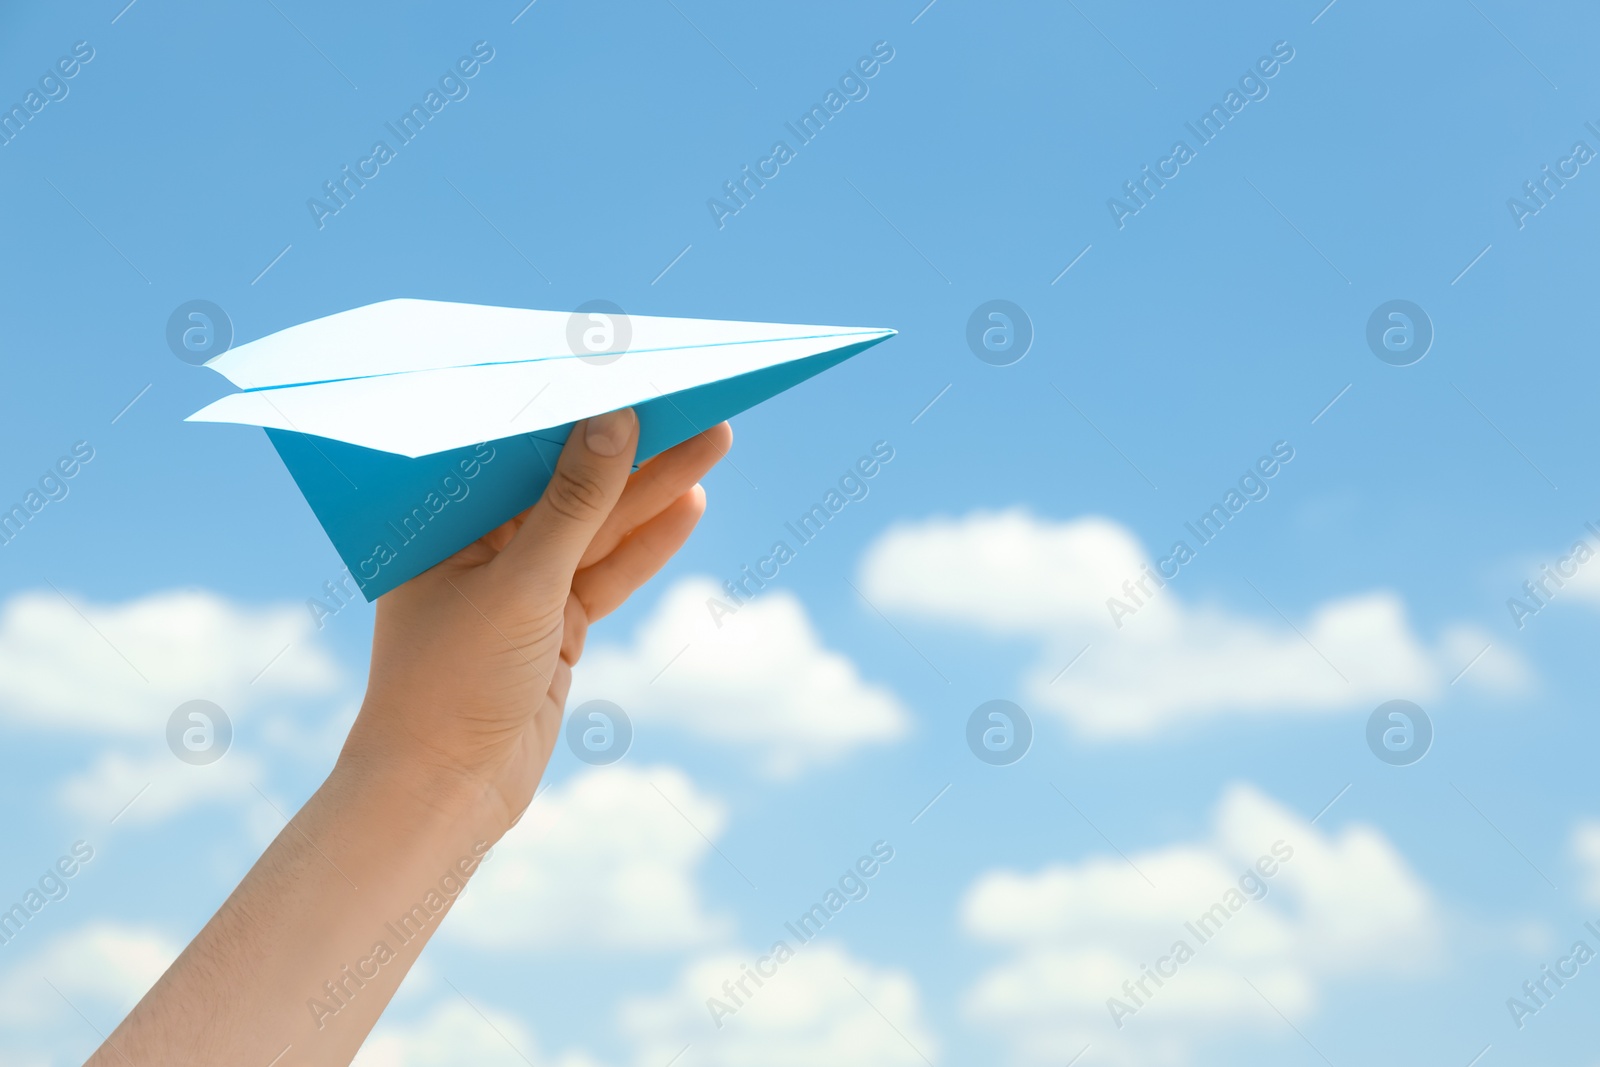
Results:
<point x="588" y="479"/>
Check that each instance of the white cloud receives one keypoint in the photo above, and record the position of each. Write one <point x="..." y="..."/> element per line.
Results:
<point x="1008" y="572"/>
<point x="123" y="668"/>
<point x="762" y="681"/>
<point x="1583" y="584"/>
<point x="1536" y="584"/>
<point x="601" y="861"/>
<point x="455" y="1033"/>
<point x="805" y="1014"/>
<point x="1486" y="662"/>
<point x="1341" y="905"/>
<point x="103" y="966"/>
<point x="158" y="785"/>
<point x="1012" y="574"/>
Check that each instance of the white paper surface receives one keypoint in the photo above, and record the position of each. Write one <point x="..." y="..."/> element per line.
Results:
<point x="414" y="377"/>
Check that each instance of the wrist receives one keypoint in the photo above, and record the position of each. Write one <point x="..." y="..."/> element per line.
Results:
<point x="414" y="786"/>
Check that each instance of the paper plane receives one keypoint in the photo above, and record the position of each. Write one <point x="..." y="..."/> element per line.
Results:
<point x="414" y="427"/>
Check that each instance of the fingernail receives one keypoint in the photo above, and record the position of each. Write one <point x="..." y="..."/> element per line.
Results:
<point x="607" y="435"/>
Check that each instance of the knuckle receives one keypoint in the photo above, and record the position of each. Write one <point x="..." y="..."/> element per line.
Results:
<point x="533" y="637"/>
<point x="545" y="628"/>
<point x="578" y="495"/>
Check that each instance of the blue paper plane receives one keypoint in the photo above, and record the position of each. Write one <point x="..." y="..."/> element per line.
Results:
<point x="414" y="427"/>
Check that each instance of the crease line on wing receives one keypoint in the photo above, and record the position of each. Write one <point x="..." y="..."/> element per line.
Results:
<point x="886" y="333"/>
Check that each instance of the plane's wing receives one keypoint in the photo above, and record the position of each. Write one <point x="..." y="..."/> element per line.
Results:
<point x="415" y="377"/>
<point x="413" y="427"/>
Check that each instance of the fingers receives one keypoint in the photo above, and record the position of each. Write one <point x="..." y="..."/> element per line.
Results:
<point x="574" y="630"/>
<point x="603" y="587"/>
<point x="658" y="484"/>
<point x="543" y="554"/>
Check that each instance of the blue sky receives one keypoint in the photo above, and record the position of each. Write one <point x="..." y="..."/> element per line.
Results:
<point x="1222" y="318"/>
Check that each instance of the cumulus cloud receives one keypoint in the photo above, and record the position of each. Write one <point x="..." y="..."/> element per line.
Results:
<point x="105" y="967"/>
<point x="154" y="787"/>
<point x="762" y="681"/>
<point x="1560" y="579"/>
<point x="822" y="1006"/>
<point x="1014" y="575"/>
<point x="454" y="1033"/>
<point x="1334" y="906"/>
<point x="601" y="861"/>
<point x="122" y="668"/>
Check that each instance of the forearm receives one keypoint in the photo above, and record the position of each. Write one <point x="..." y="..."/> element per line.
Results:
<point x="310" y="948"/>
<point x="471" y="664"/>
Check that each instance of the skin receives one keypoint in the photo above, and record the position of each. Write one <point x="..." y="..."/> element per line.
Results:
<point x="471" y="664"/>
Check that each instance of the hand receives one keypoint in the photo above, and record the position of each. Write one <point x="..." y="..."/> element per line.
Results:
<point x="472" y="660"/>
